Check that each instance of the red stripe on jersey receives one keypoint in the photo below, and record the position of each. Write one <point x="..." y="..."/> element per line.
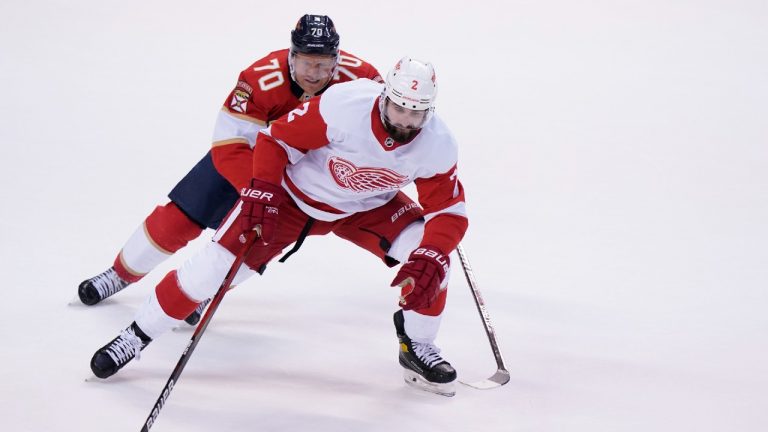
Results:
<point x="440" y="191"/>
<point x="309" y="201"/>
<point x="437" y="193"/>
<point x="445" y="231"/>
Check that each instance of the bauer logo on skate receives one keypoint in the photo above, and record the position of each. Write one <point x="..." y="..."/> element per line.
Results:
<point x="364" y="179"/>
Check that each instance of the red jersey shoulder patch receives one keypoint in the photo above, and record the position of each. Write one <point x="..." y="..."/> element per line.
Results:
<point x="263" y="90"/>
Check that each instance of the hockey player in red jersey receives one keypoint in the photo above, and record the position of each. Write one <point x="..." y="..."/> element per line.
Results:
<point x="337" y="164"/>
<point x="266" y="90"/>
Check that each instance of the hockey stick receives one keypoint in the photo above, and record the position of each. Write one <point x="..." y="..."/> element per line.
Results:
<point x="501" y="376"/>
<point x="201" y="326"/>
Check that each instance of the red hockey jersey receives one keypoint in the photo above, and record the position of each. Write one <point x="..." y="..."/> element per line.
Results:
<point x="263" y="93"/>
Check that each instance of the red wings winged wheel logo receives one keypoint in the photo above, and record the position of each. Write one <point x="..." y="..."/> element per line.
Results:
<point x="364" y="179"/>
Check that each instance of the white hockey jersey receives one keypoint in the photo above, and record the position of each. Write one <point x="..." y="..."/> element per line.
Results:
<point x="342" y="161"/>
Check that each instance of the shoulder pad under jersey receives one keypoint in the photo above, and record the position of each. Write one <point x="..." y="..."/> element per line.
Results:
<point x="263" y="89"/>
<point x="352" y="67"/>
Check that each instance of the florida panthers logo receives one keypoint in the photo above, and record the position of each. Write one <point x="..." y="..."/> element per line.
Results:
<point x="364" y="179"/>
<point x="239" y="101"/>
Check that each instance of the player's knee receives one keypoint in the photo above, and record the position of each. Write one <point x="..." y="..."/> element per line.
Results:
<point x="170" y="229"/>
<point x="202" y="274"/>
<point x="407" y="241"/>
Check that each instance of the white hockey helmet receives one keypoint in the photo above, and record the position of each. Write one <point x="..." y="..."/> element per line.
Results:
<point x="410" y="87"/>
<point x="411" y="84"/>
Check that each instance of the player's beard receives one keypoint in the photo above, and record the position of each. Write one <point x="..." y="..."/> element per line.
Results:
<point x="399" y="134"/>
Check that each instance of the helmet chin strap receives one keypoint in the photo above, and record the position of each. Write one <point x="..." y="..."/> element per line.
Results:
<point x="290" y="66"/>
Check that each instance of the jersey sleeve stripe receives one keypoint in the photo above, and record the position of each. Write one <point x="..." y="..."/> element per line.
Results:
<point x="245" y="117"/>
<point x="293" y="153"/>
<point x="458" y="209"/>
<point x="230" y="141"/>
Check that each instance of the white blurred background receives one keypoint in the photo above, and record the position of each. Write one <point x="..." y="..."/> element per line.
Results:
<point x="615" y="158"/>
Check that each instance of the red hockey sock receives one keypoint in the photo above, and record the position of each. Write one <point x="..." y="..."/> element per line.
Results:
<point x="166" y="230"/>
<point x="123" y="272"/>
<point x="172" y="299"/>
<point x="170" y="229"/>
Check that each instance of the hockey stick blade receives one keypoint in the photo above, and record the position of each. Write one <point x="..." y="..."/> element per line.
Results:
<point x="498" y="379"/>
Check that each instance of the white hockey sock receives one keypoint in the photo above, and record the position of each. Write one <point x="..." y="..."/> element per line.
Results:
<point x="140" y="254"/>
<point x="202" y="274"/>
<point x="421" y="328"/>
<point x="152" y="320"/>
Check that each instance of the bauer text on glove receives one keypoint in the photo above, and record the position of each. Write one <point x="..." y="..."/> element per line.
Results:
<point x="421" y="276"/>
<point x="261" y="208"/>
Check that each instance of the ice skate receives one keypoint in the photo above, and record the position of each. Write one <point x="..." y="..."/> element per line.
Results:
<point x="117" y="353"/>
<point x="195" y="316"/>
<point x="101" y="286"/>
<point x="424" y="368"/>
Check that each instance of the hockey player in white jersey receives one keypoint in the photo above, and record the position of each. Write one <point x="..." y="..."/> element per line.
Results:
<point x="337" y="163"/>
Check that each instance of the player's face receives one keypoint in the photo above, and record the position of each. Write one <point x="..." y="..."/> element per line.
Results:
<point x="401" y="123"/>
<point x="312" y="72"/>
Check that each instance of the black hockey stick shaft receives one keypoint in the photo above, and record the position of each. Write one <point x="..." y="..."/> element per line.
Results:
<point x="481" y="307"/>
<point x="201" y="326"/>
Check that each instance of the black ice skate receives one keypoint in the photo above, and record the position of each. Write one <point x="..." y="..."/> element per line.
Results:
<point x="194" y="317"/>
<point x="424" y="368"/>
<point x="122" y="349"/>
<point x="99" y="287"/>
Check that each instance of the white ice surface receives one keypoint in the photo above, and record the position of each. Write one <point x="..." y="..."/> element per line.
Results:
<point x="615" y="157"/>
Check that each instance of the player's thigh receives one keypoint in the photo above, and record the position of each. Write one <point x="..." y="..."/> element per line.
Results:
<point x="204" y="195"/>
<point x="378" y="230"/>
<point x="231" y="236"/>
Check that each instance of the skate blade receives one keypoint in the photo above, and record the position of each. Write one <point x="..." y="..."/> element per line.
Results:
<point x="75" y="301"/>
<point x="184" y="328"/>
<point x="94" y="379"/>
<point x="417" y="381"/>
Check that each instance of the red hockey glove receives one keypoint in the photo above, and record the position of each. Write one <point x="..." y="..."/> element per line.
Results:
<point x="260" y="211"/>
<point x="420" y="277"/>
